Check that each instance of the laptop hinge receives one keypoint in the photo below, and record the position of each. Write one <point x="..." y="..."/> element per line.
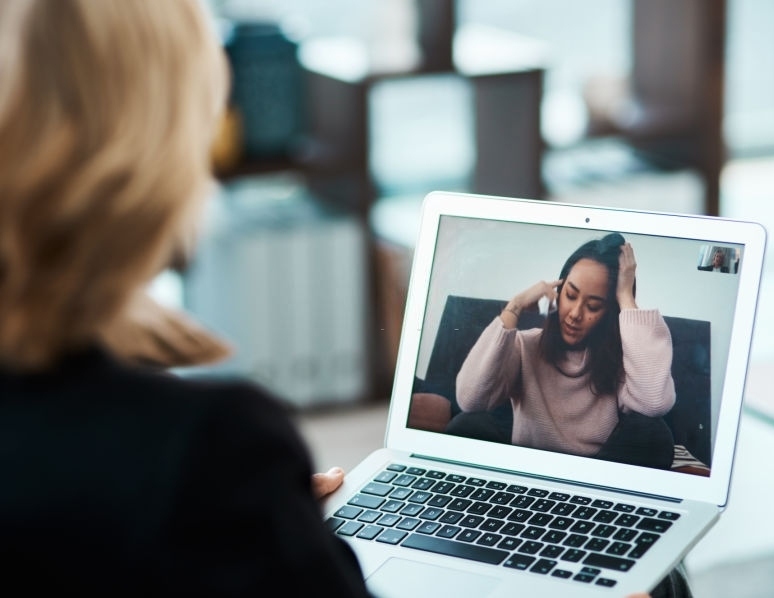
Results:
<point x="550" y="479"/>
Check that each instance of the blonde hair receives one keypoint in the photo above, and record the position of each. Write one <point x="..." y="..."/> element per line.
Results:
<point x="107" y="113"/>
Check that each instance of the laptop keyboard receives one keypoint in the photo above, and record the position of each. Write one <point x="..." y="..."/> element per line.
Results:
<point x="570" y="536"/>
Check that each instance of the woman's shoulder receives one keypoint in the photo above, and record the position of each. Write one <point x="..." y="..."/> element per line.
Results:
<point x="215" y="404"/>
<point x="641" y="317"/>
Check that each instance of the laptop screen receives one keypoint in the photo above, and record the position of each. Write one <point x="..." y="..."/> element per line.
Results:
<point x="481" y="265"/>
<point x="575" y="379"/>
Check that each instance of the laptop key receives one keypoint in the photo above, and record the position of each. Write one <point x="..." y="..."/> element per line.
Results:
<point x="573" y="555"/>
<point x="391" y="536"/>
<point x="423" y="484"/>
<point x="625" y="535"/>
<point x="350" y="528"/>
<point x="552" y="551"/>
<point x="482" y="494"/>
<point x="509" y="543"/>
<point x="369" y="516"/>
<point x="429" y="527"/>
<point x="669" y="515"/>
<point x="369" y="532"/>
<point x="543" y="505"/>
<point x="411" y="509"/>
<point x="401" y="493"/>
<point x="385" y="476"/>
<point x="468" y="535"/>
<point x="543" y="566"/>
<point x="512" y="529"/>
<point x="531" y="547"/>
<point x="499" y="512"/>
<point x="448" y="531"/>
<point x="393" y="506"/>
<point x="607" y="561"/>
<point x="619" y="548"/>
<point x="442" y="487"/>
<point x="539" y="492"/>
<point x="460" y="504"/>
<point x="626" y="520"/>
<point x="388" y="520"/>
<point x="451" y="517"/>
<point x="580" y="500"/>
<point x="559" y="496"/>
<point x="563" y="573"/>
<point x="408" y="523"/>
<point x="404" y="480"/>
<point x="563" y="509"/>
<point x="479" y="508"/>
<point x="333" y="523"/>
<point x="489" y="539"/>
<point x="519" y="561"/>
<point x="605" y="516"/>
<point x="492" y="525"/>
<point x="496" y="485"/>
<point x="439" y="500"/>
<point x="462" y="490"/>
<point x="348" y="512"/>
<point x="473" y="552"/>
<point x="367" y="501"/>
<point x="502" y="498"/>
<point x="654" y="525"/>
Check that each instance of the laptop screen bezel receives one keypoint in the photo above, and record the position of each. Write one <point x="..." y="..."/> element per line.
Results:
<point x="751" y="236"/>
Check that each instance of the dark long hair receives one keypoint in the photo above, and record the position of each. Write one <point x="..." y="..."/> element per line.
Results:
<point x="605" y="355"/>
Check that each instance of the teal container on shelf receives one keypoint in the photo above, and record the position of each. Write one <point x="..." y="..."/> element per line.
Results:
<point x="266" y="88"/>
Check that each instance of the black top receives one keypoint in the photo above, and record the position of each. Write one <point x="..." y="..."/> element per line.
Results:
<point x="116" y="480"/>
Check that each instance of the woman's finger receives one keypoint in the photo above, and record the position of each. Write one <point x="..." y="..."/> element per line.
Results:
<point x="324" y="484"/>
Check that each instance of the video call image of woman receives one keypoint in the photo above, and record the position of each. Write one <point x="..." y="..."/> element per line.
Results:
<point x="594" y="380"/>
<point x="572" y="361"/>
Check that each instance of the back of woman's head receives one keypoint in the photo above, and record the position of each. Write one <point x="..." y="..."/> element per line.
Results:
<point x="107" y="112"/>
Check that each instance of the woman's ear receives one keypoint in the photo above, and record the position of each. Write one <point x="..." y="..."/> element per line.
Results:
<point x="146" y="332"/>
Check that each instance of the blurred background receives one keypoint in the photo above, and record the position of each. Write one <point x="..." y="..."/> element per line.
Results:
<point x="345" y="113"/>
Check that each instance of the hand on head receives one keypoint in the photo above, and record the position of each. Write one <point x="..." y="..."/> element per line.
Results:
<point x="627" y="267"/>
<point x="529" y="298"/>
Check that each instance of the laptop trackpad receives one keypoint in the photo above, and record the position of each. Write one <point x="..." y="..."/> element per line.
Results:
<point x="409" y="579"/>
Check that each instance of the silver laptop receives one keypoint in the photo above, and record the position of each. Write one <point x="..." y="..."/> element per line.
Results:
<point x="443" y="511"/>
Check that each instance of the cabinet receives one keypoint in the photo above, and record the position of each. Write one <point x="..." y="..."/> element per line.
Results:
<point x="505" y="73"/>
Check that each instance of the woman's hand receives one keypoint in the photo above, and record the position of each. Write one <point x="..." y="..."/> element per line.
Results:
<point x="528" y="300"/>
<point x="326" y="483"/>
<point x="627" y="267"/>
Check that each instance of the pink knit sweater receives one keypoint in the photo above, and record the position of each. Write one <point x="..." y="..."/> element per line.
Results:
<point x="559" y="412"/>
